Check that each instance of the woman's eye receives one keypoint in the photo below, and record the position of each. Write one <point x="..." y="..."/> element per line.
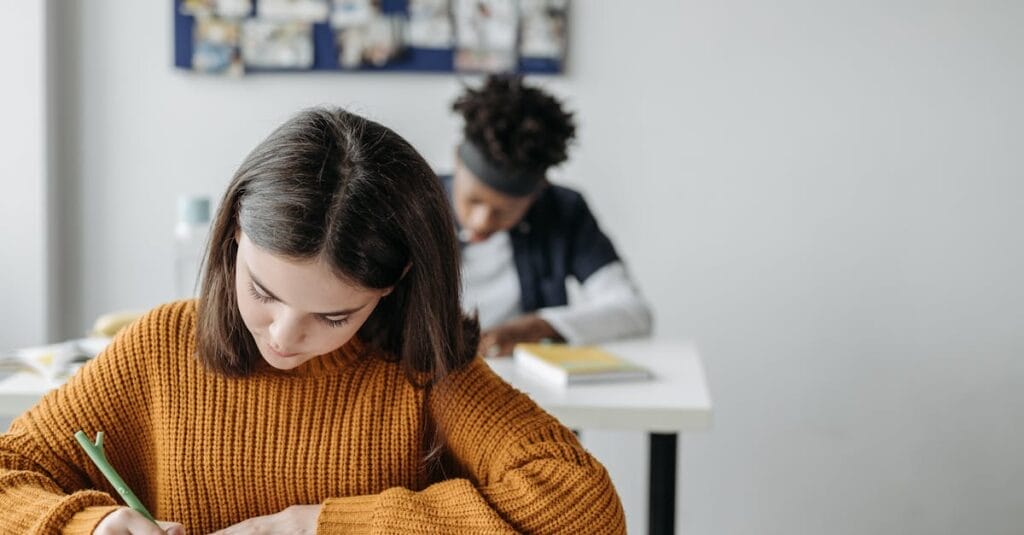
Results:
<point x="331" y="322"/>
<point x="262" y="298"/>
<point x="258" y="296"/>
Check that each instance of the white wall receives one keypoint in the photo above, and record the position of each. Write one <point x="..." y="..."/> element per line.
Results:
<point x="849" y="209"/>
<point x="24" y="238"/>
<point x="826" y="195"/>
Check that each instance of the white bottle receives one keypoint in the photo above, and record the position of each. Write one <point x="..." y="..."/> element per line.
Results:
<point x="190" y="239"/>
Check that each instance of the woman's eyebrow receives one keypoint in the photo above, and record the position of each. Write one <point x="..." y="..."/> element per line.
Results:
<point x="263" y="287"/>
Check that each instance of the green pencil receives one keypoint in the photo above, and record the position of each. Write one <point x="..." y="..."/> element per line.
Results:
<point x="99" y="458"/>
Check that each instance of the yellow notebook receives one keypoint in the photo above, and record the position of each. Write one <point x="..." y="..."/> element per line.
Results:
<point x="564" y="364"/>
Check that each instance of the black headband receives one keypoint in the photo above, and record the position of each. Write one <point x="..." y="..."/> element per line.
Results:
<point x="508" y="181"/>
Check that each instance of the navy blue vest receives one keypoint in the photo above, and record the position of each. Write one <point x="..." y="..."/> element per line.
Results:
<point x="557" y="237"/>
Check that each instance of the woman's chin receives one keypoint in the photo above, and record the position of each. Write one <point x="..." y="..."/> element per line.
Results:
<point x="284" y="363"/>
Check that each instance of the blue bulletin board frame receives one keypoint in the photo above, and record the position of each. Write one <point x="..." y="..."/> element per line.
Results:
<point x="325" y="51"/>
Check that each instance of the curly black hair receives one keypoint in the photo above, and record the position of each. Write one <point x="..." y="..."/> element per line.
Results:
<point x="517" y="126"/>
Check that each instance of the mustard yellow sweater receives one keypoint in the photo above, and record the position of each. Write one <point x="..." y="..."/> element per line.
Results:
<point x="209" y="451"/>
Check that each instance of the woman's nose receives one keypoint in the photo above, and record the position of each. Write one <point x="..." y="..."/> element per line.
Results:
<point x="286" y="333"/>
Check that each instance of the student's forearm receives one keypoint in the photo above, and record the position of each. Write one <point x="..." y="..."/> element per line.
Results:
<point x="541" y="496"/>
<point x="591" y="323"/>
<point x="523" y="467"/>
<point x="611" y="307"/>
<point x="35" y="503"/>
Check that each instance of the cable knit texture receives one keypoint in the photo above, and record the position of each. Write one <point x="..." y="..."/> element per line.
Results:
<point x="342" y="430"/>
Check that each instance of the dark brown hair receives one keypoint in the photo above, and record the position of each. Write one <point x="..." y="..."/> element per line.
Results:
<point x="516" y="125"/>
<point x="334" y="186"/>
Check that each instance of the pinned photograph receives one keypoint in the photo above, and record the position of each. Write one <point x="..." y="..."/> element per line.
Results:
<point x="485" y="35"/>
<point x="375" y="43"/>
<point x="348" y="13"/>
<point x="268" y="44"/>
<point x="366" y="36"/>
<point x="215" y="49"/>
<point x="430" y="24"/>
<point x="198" y="8"/>
<point x="234" y="8"/>
<point x="293" y="10"/>
<point x="542" y="28"/>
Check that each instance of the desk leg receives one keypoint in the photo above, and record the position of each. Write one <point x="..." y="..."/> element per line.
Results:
<point x="662" y="492"/>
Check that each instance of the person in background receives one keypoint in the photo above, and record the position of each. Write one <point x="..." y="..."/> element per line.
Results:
<point x="523" y="237"/>
<point x="325" y="380"/>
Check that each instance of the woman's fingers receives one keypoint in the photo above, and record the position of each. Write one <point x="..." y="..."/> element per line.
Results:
<point x="172" y="528"/>
<point x="125" y="521"/>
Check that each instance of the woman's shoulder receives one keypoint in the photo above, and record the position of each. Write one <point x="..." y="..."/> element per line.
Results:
<point x="167" y="328"/>
<point x="183" y="309"/>
<point x="168" y="321"/>
<point x="474" y="378"/>
<point x="144" y="348"/>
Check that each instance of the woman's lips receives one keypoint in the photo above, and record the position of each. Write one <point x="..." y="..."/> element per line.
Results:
<point x="282" y="355"/>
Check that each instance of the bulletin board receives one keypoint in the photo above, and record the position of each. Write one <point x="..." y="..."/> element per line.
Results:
<point x="238" y="37"/>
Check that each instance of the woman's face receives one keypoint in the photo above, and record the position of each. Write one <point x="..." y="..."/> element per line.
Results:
<point x="297" y="310"/>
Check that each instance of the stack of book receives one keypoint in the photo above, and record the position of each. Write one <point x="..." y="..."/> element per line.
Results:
<point x="565" y="365"/>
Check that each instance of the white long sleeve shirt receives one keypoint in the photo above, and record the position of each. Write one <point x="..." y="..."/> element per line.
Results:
<point x="609" y="304"/>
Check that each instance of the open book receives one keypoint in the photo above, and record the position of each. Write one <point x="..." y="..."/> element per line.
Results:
<point x="565" y="365"/>
<point x="54" y="362"/>
<point x="57" y="362"/>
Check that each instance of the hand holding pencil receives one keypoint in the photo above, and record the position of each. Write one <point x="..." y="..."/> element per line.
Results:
<point x="132" y="520"/>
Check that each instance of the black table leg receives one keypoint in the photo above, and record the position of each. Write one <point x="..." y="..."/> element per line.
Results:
<point x="662" y="498"/>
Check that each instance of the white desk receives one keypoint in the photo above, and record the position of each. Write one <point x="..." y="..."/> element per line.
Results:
<point x="675" y="401"/>
<point x="20" y="391"/>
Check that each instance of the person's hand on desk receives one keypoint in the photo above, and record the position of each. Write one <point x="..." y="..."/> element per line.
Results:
<point x="126" y="521"/>
<point x="297" y="519"/>
<point x="501" y="339"/>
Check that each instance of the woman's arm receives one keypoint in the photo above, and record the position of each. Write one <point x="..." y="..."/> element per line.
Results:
<point x="45" y="475"/>
<point x="520" y="471"/>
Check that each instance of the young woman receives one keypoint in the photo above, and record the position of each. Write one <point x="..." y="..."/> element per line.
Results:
<point x="523" y="237"/>
<point x="324" y="381"/>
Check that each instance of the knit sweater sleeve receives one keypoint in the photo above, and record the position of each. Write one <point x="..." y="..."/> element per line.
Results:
<point x="47" y="482"/>
<point x="523" y="472"/>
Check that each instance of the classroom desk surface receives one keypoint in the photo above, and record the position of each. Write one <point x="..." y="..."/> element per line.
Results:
<point x="675" y="400"/>
<point x="19" y="391"/>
